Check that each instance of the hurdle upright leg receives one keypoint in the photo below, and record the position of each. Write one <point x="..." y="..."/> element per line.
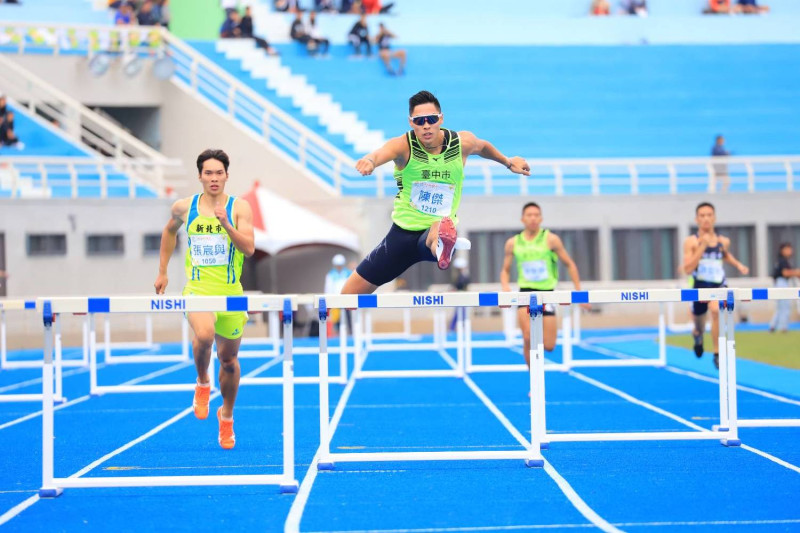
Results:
<point x="343" y="347"/>
<point x="723" y="368"/>
<point x="324" y="462"/>
<point x="733" y="429"/>
<point x="566" y="338"/>
<point x="48" y="488"/>
<point x="59" y="362"/>
<point x="536" y="381"/>
<point x="92" y="355"/>
<point x="460" y="343"/>
<point x="662" y="336"/>
<point x="289" y="484"/>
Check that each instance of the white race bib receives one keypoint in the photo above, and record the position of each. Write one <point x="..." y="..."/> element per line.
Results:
<point x="433" y="198"/>
<point x="535" y="270"/>
<point x="209" y="250"/>
<point x="710" y="270"/>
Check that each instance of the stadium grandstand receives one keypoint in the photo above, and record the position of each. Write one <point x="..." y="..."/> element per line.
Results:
<point x="628" y="225"/>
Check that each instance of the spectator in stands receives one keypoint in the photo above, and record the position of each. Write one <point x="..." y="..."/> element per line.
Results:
<point x="634" y="7"/>
<point x="721" y="170"/>
<point x="147" y="16"/>
<point x="230" y="28"/>
<point x="125" y="15"/>
<point x="373" y="7"/>
<point x="782" y="273"/>
<point x="720" y="7"/>
<point x="246" y="32"/>
<point x="299" y="32"/>
<point x="751" y="7"/>
<point x="288" y="5"/>
<point x="163" y="12"/>
<point x="3" y="105"/>
<point x="350" y="6"/>
<point x="321" y="43"/>
<point x="359" y="36"/>
<point x="324" y="6"/>
<point x="600" y="8"/>
<point x="8" y="136"/>
<point x="386" y="54"/>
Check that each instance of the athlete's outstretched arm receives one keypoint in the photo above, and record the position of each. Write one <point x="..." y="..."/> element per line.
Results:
<point x="242" y="235"/>
<point x="395" y="149"/>
<point x="505" y="272"/>
<point x="471" y="145"/>
<point x="729" y="258"/>
<point x="169" y="237"/>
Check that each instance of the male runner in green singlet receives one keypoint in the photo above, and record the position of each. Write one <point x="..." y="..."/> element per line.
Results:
<point x="220" y="229"/>
<point x="429" y="170"/>
<point x="537" y="251"/>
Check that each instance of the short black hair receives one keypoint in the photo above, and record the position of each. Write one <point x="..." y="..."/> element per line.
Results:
<point x="783" y="245"/>
<point x="704" y="204"/>
<point x="530" y="204"/>
<point x="212" y="153"/>
<point x="423" y="97"/>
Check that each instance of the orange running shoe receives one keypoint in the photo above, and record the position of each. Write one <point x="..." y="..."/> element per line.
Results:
<point x="447" y="242"/>
<point x="227" y="439"/>
<point x="200" y="402"/>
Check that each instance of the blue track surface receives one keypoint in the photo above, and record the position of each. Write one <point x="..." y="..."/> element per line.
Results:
<point x="630" y="486"/>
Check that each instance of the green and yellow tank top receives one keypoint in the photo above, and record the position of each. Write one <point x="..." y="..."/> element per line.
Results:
<point x="537" y="265"/>
<point x="429" y="187"/>
<point x="213" y="264"/>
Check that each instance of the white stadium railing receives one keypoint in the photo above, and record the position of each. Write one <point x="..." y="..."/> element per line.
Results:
<point x="83" y="126"/>
<point x="74" y="177"/>
<point x="334" y="169"/>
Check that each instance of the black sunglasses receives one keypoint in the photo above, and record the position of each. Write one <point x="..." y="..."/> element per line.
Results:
<point x="420" y="120"/>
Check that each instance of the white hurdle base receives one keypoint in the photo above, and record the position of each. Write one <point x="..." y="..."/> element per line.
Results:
<point x="164" y="481"/>
<point x="364" y="457"/>
<point x="636" y="436"/>
<point x="769" y="423"/>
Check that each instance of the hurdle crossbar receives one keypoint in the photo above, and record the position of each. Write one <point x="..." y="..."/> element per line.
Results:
<point x="52" y="486"/>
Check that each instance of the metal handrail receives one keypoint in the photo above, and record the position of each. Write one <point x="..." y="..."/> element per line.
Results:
<point x="78" y="121"/>
<point x="138" y="172"/>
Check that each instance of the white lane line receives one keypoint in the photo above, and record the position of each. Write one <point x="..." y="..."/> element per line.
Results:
<point x="572" y="526"/>
<point x="695" y="375"/>
<point x="292" y="524"/>
<point x="133" y="381"/>
<point x="580" y="505"/>
<point x="675" y="417"/>
<point x="38" y="413"/>
<point x="14" y="511"/>
<point x="36" y="381"/>
<point x="744" y="388"/>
